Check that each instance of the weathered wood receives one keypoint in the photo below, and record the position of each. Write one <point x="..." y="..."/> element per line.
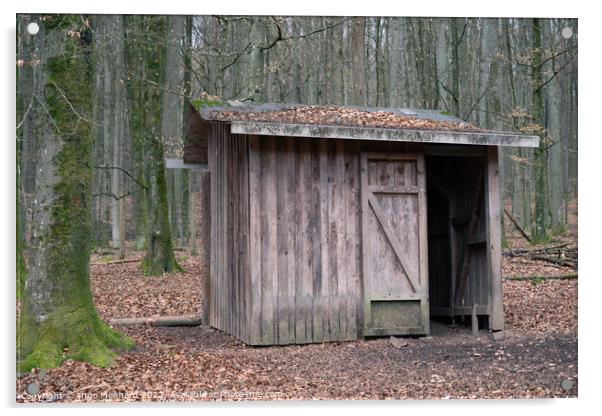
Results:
<point x="397" y="247"/>
<point x="384" y="134"/>
<point x="494" y="244"/>
<point x="352" y="241"/>
<point x="478" y="238"/>
<point x="467" y="253"/>
<point x="366" y="246"/>
<point x="422" y="242"/>
<point x="292" y="267"/>
<point x="324" y="251"/>
<point x="255" y="326"/>
<point x="180" y="164"/>
<point x="283" y="220"/>
<point x="304" y="298"/>
<point x="394" y="189"/>
<point x="395" y="275"/>
<point x="338" y="245"/>
<point x="474" y="320"/>
<point x="205" y="234"/>
<point x="269" y="276"/>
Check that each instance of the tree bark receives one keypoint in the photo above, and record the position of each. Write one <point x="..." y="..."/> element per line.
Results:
<point x="358" y="32"/>
<point x="540" y="158"/>
<point x="58" y="319"/>
<point x="160" y="256"/>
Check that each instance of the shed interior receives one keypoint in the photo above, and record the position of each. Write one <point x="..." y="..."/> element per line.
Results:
<point x="457" y="237"/>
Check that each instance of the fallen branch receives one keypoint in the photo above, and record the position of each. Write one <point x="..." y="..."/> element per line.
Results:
<point x="562" y="277"/>
<point x="156" y="320"/>
<point x="116" y="262"/>
<point x="555" y="260"/>
<point x="517" y="226"/>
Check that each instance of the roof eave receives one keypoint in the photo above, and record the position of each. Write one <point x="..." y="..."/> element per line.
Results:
<point x="384" y="134"/>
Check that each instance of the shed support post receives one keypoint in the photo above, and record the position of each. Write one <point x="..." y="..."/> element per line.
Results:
<point x="494" y="249"/>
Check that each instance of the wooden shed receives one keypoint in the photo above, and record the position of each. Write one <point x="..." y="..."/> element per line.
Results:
<point x="332" y="223"/>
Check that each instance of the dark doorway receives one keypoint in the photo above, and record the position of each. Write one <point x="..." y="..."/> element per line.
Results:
<point x="457" y="235"/>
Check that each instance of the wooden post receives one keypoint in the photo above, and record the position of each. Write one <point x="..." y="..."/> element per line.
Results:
<point x="494" y="248"/>
<point x="475" y="320"/>
<point x="205" y="235"/>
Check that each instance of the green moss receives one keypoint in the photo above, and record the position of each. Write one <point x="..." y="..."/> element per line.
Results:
<point x="204" y="102"/>
<point x="66" y="325"/>
<point x="68" y="334"/>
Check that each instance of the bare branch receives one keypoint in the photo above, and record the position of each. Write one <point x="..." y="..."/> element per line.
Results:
<point x="124" y="171"/>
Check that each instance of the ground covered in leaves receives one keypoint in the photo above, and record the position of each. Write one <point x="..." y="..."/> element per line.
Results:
<point x="536" y="358"/>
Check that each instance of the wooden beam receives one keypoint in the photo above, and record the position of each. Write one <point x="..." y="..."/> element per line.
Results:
<point x="384" y="134"/>
<point x="393" y="189"/>
<point x="180" y="164"/>
<point x="475" y="239"/>
<point x="494" y="245"/>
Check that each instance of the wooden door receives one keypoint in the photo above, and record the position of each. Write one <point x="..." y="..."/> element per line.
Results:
<point x="394" y="244"/>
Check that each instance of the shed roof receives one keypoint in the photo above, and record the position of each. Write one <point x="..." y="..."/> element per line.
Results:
<point x="360" y="123"/>
<point x="365" y="123"/>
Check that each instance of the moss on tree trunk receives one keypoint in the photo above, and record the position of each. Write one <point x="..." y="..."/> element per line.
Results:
<point x="159" y="256"/>
<point x="58" y="319"/>
<point x="539" y="234"/>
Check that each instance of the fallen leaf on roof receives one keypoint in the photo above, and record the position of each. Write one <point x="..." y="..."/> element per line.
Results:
<point x="339" y="116"/>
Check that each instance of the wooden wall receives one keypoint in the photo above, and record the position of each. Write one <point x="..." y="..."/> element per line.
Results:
<point x="229" y="283"/>
<point x="286" y="237"/>
<point x="305" y="259"/>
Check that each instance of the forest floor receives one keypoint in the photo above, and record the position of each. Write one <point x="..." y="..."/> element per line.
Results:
<point x="537" y="357"/>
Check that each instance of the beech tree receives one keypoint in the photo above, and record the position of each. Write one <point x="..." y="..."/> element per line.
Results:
<point x="58" y="319"/>
<point x="160" y="256"/>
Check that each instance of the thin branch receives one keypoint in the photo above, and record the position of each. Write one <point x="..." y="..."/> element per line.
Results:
<point x="69" y="103"/>
<point x="555" y="73"/>
<point x="124" y="171"/>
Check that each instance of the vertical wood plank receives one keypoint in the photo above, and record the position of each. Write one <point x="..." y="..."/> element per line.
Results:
<point x="315" y="241"/>
<point x="255" y="239"/>
<point x="283" y="221"/>
<point x="269" y="272"/>
<point x="352" y="232"/>
<point x="303" y="298"/>
<point x="324" y="227"/>
<point x="340" y="229"/>
<point x="332" y="245"/>
<point x="494" y="239"/>
<point x="422" y="241"/>
<point x="205" y="234"/>
<point x="366" y="271"/>
<point x="292" y="210"/>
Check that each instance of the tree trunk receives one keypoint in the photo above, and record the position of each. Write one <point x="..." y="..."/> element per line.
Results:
<point x="160" y="256"/>
<point x="57" y="306"/>
<point x="539" y="163"/>
<point x="256" y="65"/>
<point x="358" y="31"/>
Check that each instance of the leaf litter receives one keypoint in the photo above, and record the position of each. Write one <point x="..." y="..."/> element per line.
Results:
<point x="535" y="359"/>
